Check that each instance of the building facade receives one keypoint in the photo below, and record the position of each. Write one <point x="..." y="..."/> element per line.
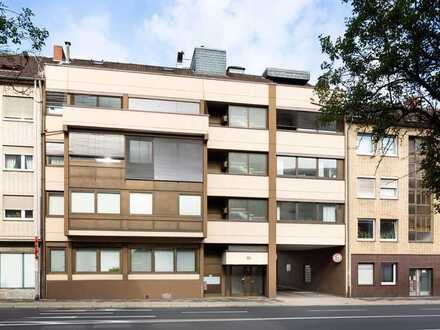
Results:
<point x="393" y="231"/>
<point x="20" y="180"/>
<point x="170" y="182"/>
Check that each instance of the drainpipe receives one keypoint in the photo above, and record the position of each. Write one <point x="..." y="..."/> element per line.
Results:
<point x="37" y="169"/>
<point x="347" y="212"/>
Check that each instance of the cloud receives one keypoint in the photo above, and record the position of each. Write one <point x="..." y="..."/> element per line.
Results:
<point x="91" y="38"/>
<point x="255" y="33"/>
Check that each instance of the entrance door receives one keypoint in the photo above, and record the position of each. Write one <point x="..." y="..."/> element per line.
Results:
<point x="420" y="282"/>
<point x="247" y="280"/>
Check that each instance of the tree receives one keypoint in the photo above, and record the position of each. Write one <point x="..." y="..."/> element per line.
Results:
<point x="17" y="30"/>
<point x="384" y="74"/>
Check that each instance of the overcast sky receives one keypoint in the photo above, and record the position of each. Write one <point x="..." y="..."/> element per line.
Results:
<point x="255" y="33"/>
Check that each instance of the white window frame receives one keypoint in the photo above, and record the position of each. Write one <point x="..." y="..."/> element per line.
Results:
<point x="396" y="228"/>
<point x="183" y="212"/>
<point x="394" y="282"/>
<point x="22" y="218"/>
<point x="374" y="230"/>
<point x="358" y="152"/>
<point x="396" y="189"/>
<point x="384" y="151"/>
<point x="23" y="162"/>
<point x="149" y="196"/>
<point x="372" y="274"/>
<point x="374" y="188"/>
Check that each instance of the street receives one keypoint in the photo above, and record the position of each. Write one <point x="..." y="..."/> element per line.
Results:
<point x="414" y="317"/>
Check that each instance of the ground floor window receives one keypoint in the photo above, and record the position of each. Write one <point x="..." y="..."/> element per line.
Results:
<point x="97" y="260"/>
<point x="17" y="270"/>
<point x="365" y="274"/>
<point x="389" y="274"/>
<point x="163" y="260"/>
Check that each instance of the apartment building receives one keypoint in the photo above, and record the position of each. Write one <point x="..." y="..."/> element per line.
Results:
<point x="20" y="179"/>
<point x="393" y="235"/>
<point x="178" y="182"/>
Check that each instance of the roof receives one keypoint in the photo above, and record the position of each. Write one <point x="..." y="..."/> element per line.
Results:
<point x="21" y="67"/>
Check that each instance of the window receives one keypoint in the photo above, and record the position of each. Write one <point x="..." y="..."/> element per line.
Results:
<point x="327" y="212"/>
<point x="365" y="144"/>
<point x="286" y="211"/>
<point x="110" y="261"/>
<point x="365" y="229"/>
<point x="54" y="154"/>
<point x="17" y="270"/>
<point x="306" y="166"/>
<point x="247" y="210"/>
<point x="327" y="168"/>
<point x="16" y="214"/>
<point x="18" y="208"/>
<point x="305" y="120"/>
<point x="140" y="158"/>
<point x="190" y="205"/>
<point x="96" y="145"/>
<point x="286" y="166"/>
<point x="141" y="260"/>
<point x="18" y="107"/>
<point x="57" y="261"/>
<point x="163" y="261"/>
<point x="141" y="203"/>
<point x="306" y="211"/>
<point x="55" y="102"/>
<point x="389" y="274"/>
<point x="19" y="162"/>
<point x="109" y="203"/>
<point x="365" y="274"/>
<point x="186" y="261"/>
<point x="366" y="187"/>
<point x="85" y="260"/>
<point x="247" y="163"/>
<point x="389" y="147"/>
<point x="247" y="117"/>
<point x="94" y="101"/>
<point x="56" y="204"/>
<point x="388" y="229"/>
<point x="82" y="202"/>
<point x="163" y="106"/>
<point x="388" y="188"/>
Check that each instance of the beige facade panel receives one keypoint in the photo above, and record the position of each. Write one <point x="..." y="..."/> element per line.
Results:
<point x="122" y="233"/>
<point x="96" y="277"/>
<point x="297" y="189"/>
<point x="18" y="183"/>
<point x="238" y="185"/>
<point x="54" y="178"/>
<point x="77" y="79"/>
<point x="238" y="139"/>
<point x="297" y="143"/>
<point x="136" y="120"/>
<point x="245" y="258"/>
<point x="55" y="230"/>
<point x="54" y="124"/>
<point x="17" y="230"/>
<point x="56" y="277"/>
<point x="9" y="133"/>
<point x="235" y="91"/>
<point x="296" y="97"/>
<point x="163" y="276"/>
<point x="237" y="232"/>
<point x="310" y="234"/>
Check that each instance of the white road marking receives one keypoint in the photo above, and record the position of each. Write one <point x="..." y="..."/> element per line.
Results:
<point x="147" y="321"/>
<point x="78" y="313"/>
<point x="336" y="310"/>
<point x="430" y="309"/>
<point x="90" y="317"/>
<point x="95" y="310"/>
<point x="214" y="312"/>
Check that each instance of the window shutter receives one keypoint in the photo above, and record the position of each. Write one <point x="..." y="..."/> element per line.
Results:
<point x="18" y="107"/>
<point x="96" y="145"/>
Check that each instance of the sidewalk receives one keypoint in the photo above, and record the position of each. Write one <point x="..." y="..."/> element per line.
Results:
<point x="283" y="299"/>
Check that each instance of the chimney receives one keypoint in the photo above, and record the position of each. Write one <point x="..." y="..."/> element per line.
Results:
<point x="209" y="61"/>
<point x="58" y="53"/>
<point x="179" y="63"/>
<point x="67" y="45"/>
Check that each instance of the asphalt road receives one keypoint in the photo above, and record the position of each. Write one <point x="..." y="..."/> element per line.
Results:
<point x="414" y="317"/>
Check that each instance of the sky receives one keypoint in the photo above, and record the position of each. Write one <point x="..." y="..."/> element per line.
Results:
<point x="255" y="33"/>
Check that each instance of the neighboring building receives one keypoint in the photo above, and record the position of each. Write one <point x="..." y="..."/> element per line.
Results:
<point x="168" y="182"/>
<point x="20" y="180"/>
<point x="393" y="238"/>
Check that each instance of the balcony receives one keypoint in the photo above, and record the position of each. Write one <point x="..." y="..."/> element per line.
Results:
<point x="310" y="189"/>
<point x="238" y="139"/>
<point x="302" y="143"/>
<point x="136" y="120"/>
<point x="238" y="185"/>
<point x="232" y="232"/>
<point x="310" y="234"/>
